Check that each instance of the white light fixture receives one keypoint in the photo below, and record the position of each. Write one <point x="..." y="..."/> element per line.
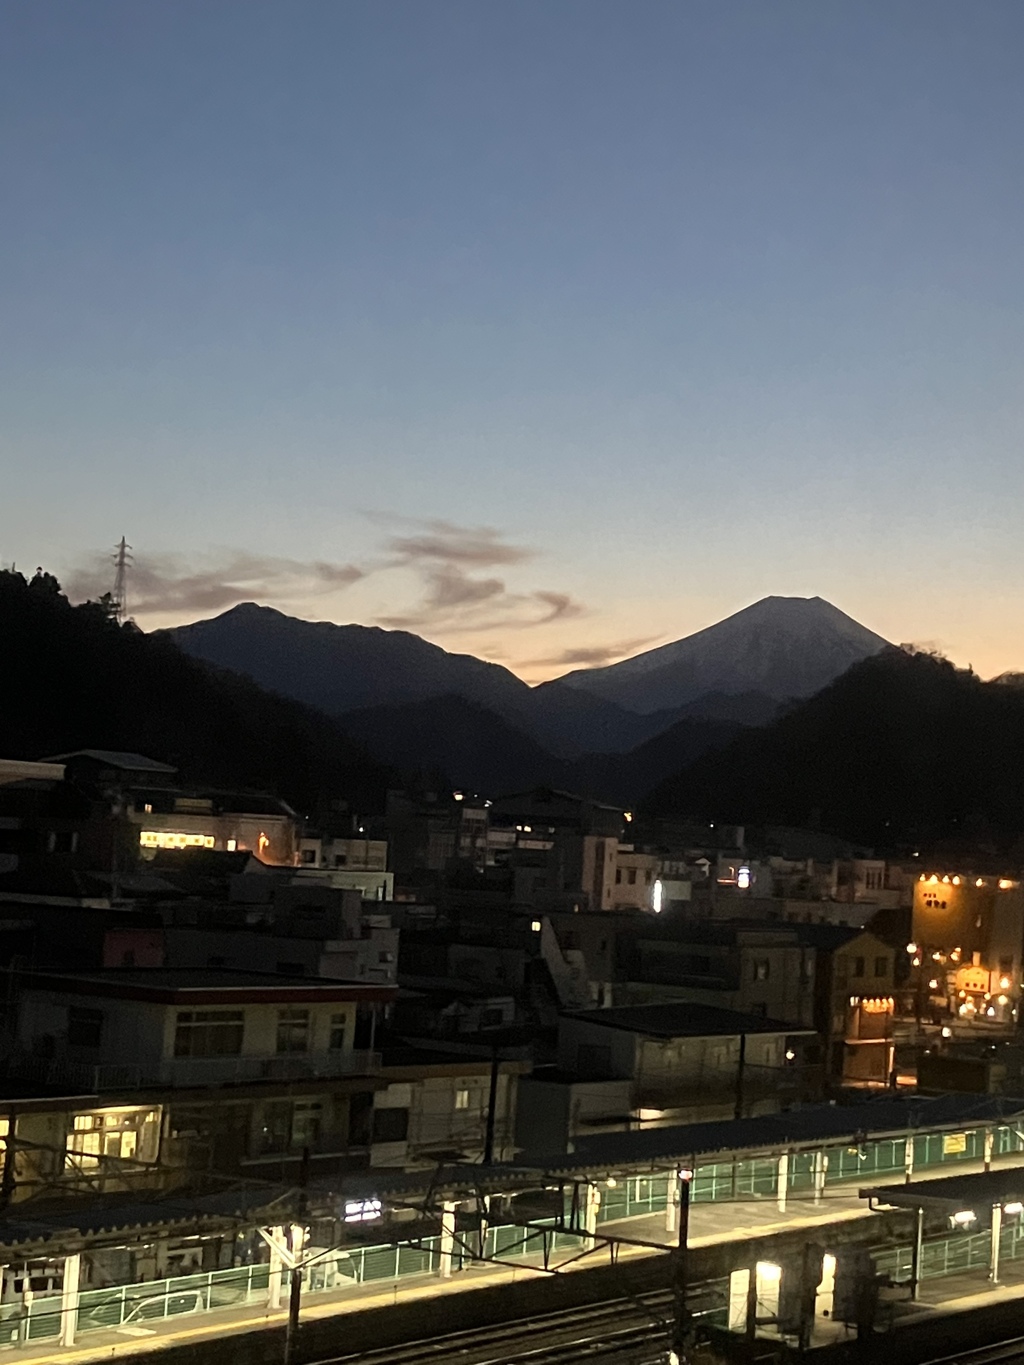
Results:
<point x="962" y="1218"/>
<point x="1013" y="1208"/>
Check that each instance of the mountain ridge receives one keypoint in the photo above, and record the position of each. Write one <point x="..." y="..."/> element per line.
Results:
<point x="784" y="647"/>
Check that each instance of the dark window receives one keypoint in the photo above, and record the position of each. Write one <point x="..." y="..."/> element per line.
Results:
<point x="593" y="1060"/>
<point x="85" y="1027"/>
<point x="881" y="966"/>
<point x="128" y="957"/>
<point x="761" y="969"/>
<point x="209" y="1033"/>
<point x="306" y="1123"/>
<point x="309" y="855"/>
<point x="618" y="875"/>
<point x="62" y="841"/>
<point x="390" y="1125"/>
<point x="1006" y="965"/>
<point x="631" y="876"/>
<point x="337" y="1034"/>
<point x="276" y="1129"/>
<point x="340" y="859"/>
<point x="647" y="878"/>
<point x="492" y="1018"/>
<point x="293" y="1030"/>
<point x="858" y="966"/>
<point x="360" y="1111"/>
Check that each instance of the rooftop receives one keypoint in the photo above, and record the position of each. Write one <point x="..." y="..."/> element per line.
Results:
<point x="685" y="1020"/>
<point x="979" y="1191"/>
<point x="804" y="1127"/>
<point x="170" y="985"/>
<point x="113" y="758"/>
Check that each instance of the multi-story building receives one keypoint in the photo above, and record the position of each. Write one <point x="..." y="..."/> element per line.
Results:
<point x="967" y="938"/>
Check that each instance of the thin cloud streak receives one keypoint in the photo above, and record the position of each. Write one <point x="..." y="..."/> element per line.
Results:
<point x="160" y="584"/>
<point x="594" y="656"/>
<point x="455" y="596"/>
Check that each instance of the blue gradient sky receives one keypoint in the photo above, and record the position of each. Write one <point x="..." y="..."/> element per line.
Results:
<point x="689" y="302"/>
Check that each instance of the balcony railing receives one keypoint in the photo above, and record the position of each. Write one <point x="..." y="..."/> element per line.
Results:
<point x="184" y="1072"/>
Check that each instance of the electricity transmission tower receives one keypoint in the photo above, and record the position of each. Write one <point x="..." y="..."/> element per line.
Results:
<point x="122" y="562"/>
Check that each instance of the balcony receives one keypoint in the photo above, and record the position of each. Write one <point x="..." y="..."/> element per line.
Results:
<point x="198" y="1072"/>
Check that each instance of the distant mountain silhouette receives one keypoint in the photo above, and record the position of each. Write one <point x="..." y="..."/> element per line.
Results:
<point x="340" y="669"/>
<point x="902" y="750"/>
<point x="471" y="746"/>
<point x="780" y="648"/>
<point x="479" y="751"/>
<point x="72" y="678"/>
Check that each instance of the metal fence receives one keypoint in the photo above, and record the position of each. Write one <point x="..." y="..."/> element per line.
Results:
<point x="950" y="1255"/>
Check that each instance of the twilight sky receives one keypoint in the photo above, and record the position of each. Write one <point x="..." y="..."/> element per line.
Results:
<point x="549" y="329"/>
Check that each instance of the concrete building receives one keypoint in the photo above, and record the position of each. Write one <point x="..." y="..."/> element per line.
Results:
<point x="683" y="1057"/>
<point x="966" y="947"/>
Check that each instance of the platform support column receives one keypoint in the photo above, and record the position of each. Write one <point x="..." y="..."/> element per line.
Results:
<point x="908" y="1159"/>
<point x="447" y="1238"/>
<point x="69" y="1300"/>
<point x="990" y="1139"/>
<point x="590" y="1209"/>
<point x="783" y="1181"/>
<point x="915" y="1255"/>
<point x="993" y="1255"/>
<point x="672" y="1204"/>
<point x="275" y="1240"/>
<point x="820" y="1167"/>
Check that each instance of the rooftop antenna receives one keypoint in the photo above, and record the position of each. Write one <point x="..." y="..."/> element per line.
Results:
<point x="122" y="562"/>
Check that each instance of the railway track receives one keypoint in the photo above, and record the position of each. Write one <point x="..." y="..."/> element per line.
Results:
<point x="1001" y="1353"/>
<point x="622" y="1332"/>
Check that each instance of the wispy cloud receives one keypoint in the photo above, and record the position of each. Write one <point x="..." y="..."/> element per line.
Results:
<point x="445" y="557"/>
<point x="479" y="547"/>
<point x="168" y="584"/>
<point x="593" y="656"/>
<point x="455" y="588"/>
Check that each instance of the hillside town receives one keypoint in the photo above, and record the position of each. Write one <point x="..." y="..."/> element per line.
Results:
<point x="248" y="1054"/>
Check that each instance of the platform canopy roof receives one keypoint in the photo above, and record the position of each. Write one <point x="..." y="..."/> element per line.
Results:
<point x="981" y="1190"/>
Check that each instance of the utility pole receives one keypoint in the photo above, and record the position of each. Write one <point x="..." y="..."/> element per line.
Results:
<point x="492" y="1107"/>
<point x="740" y="1068"/>
<point x="291" y="1331"/>
<point x="679" y="1351"/>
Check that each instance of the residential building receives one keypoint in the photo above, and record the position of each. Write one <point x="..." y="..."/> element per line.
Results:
<point x="685" y="1057"/>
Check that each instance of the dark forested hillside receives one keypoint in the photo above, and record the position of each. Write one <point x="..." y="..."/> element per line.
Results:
<point x="902" y="749"/>
<point x="72" y="678"/>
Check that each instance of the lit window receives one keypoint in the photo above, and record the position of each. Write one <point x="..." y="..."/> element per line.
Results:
<point x="232" y="844"/>
<point x="362" y="1210"/>
<point x="121" y="1134"/>
<point x="159" y="838"/>
<point x="462" y="1099"/>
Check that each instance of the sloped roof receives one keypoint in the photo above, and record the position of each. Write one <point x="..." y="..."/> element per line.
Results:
<point x="112" y="758"/>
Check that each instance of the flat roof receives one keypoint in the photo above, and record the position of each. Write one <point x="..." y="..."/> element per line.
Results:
<point x="682" y="1019"/>
<point x="204" y="985"/>
<point x="120" y="1221"/>
<point x="982" y="1190"/>
<point x="805" y="1127"/>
